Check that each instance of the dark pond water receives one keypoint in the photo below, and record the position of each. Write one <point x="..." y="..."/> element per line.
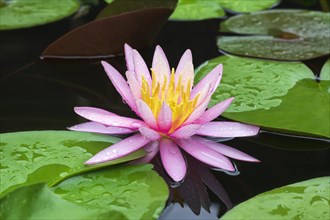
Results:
<point x="40" y="94"/>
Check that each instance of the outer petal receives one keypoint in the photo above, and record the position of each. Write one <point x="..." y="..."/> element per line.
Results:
<point x="141" y="68"/>
<point x="185" y="69"/>
<point x="119" y="149"/>
<point x="172" y="159"/>
<point x="160" y="65"/>
<point x="152" y="148"/>
<point x="214" y="77"/>
<point x="226" y="150"/>
<point x="129" y="57"/>
<point x="205" y="154"/>
<point x="227" y="129"/>
<point x="214" y="112"/>
<point x="108" y="118"/>
<point x="146" y="113"/>
<point x="134" y="85"/>
<point x="185" y="131"/>
<point x="149" y="133"/>
<point x="164" y="119"/>
<point x="120" y="84"/>
<point x="100" y="128"/>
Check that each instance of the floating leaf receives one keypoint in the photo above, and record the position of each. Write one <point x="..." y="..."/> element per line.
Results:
<point x="273" y="95"/>
<point x="117" y="7"/>
<point x="39" y="202"/>
<point x="303" y="200"/>
<point x="197" y="10"/>
<point x="49" y="156"/>
<point x="106" y="37"/>
<point x="247" y="6"/>
<point x="281" y="34"/>
<point x="136" y="191"/>
<point x="207" y="9"/>
<point x="325" y="71"/>
<point x="29" y="13"/>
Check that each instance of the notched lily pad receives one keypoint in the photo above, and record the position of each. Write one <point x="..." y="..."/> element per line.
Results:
<point x="49" y="156"/>
<point x="278" y="34"/>
<point x="39" y="202"/>
<point x="16" y="14"/>
<point x="303" y="200"/>
<point x="106" y="37"/>
<point x="273" y="95"/>
<point x="136" y="191"/>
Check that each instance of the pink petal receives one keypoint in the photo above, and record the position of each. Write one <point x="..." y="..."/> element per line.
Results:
<point x="172" y="159"/>
<point x="119" y="149"/>
<point x="152" y="148"/>
<point x="146" y="113"/>
<point x="141" y="68"/>
<point x="134" y="85"/>
<point x="205" y="154"/>
<point x="214" y="77"/>
<point x="165" y="118"/>
<point x="160" y="65"/>
<point x="129" y="57"/>
<point x="197" y="113"/>
<point x="185" y="131"/>
<point x="226" y="150"/>
<point x="204" y="94"/>
<point x="185" y="69"/>
<point x="149" y="133"/>
<point x="120" y="84"/>
<point x="108" y="118"/>
<point x="100" y="128"/>
<point x="227" y="129"/>
<point x="214" y="112"/>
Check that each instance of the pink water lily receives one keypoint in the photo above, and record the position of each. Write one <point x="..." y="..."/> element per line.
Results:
<point x="173" y="112"/>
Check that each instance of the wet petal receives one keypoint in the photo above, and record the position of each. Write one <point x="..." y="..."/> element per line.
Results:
<point x="100" y="128"/>
<point x="146" y="113"/>
<point x="214" y="77"/>
<point x="227" y="129"/>
<point x="120" y="84"/>
<point x="172" y="159"/>
<point x="119" y="149"/>
<point x="129" y="57"/>
<point x="141" y="68"/>
<point x="164" y="119"/>
<point x="185" y="131"/>
<point x="134" y="85"/>
<point x="160" y="65"/>
<point x="205" y="154"/>
<point x="185" y="69"/>
<point x="152" y="148"/>
<point x="149" y="133"/>
<point x="226" y="150"/>
<point x="107" y="118"/>
<point x="214" y="112"/>
<point x="197" y="113"/>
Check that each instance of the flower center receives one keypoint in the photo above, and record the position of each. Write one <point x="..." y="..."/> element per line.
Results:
<point x="175" y="94"/>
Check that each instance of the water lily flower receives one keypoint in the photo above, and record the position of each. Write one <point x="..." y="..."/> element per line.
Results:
<point x="173" y="115"/>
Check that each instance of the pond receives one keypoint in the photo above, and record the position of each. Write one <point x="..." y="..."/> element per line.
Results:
<point x="40" y="94"/>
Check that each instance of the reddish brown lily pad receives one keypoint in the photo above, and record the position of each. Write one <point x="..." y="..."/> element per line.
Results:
<point x="106" y="37"/>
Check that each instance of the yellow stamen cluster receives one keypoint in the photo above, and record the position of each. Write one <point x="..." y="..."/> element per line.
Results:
<point x="176" y="95"/>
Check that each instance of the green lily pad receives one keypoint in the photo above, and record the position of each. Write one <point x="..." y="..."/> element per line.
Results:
<point x="28" y="13"/>
<point x="209" y="9"/>
<point x="197" y="10"/>
<point x="49" y="156"/>
<point x="247" y="6"/>
<point x="39" y="202"/>
<point x="273" y="95"/>
<point x="303" y="200"/>
<point x="279" y="34"/>
<point x="136" y="191"/>
<point x="325" y="71"/>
